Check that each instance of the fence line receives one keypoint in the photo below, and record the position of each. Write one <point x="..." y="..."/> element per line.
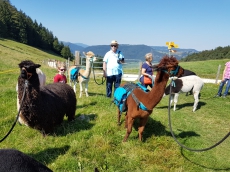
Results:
<point x="130" y="64"/>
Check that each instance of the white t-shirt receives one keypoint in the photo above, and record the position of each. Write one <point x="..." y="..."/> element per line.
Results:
<point x="113" y="67"/>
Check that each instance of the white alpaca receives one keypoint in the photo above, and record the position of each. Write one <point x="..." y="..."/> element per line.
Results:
<point x="185" y="84"/>
<point x="42" y="80"/>
<point x="83" y="75"/>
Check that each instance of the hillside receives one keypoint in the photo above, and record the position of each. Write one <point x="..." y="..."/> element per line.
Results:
<point x="217" y="53"/>
<point x="132" y="51"/>
<point x="11" y="53"/>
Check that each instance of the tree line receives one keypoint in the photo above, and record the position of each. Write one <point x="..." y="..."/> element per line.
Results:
<point x="16" y="25"/>
<point x="217" y="53"/>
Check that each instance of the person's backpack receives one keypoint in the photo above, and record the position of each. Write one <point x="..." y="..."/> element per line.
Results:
<point x="74" y="74"/>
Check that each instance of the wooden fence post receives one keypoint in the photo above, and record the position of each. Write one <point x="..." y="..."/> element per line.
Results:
<point x="67" y="68"/>
<point x="77" y="58"/>
<point x="140" y="68"/>
<point x="218" y="73"/>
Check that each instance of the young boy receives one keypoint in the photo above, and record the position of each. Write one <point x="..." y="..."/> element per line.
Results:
<point x="60" y="77"/>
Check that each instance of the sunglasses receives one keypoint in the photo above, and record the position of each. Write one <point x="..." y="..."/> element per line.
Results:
<point x="62" y="69"/>
<point x="113" y="45"/>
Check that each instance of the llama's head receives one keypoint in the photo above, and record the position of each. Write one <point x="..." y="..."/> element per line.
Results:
<point x="170" y="66"/>
<point x="28" y="69"/>
<point x="90" y="56"/>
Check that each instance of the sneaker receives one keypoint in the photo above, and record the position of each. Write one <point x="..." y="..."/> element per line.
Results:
<point x="224" y="96"/>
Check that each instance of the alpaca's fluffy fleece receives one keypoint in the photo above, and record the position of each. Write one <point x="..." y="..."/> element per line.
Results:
<point x="12" y="160"/>
<point x="44" y="107"/>
<point x="185" y="84"/>
<point x="42" y="81"/>
<point x="188" y="72"/>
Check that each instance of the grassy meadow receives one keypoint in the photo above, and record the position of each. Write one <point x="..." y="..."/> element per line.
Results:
<point x="96" y="140"/>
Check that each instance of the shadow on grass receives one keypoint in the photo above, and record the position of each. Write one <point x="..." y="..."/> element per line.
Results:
<point x="96" y="94"/>
<point x="49" y="155"/>
<point x="86" y="105"/>
<point x="157" y="129"/>
<point x="181" y="106"/>
<point x="201" y="165"/>
<point x="75" y="126"/>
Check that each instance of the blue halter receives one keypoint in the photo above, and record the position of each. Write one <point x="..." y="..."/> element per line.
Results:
<point x="175" y="72"/>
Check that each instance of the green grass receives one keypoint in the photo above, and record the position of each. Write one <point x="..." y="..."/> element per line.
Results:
<point x="83" y="145"/>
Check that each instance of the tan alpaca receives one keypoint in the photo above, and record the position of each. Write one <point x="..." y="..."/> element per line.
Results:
<point x="84" y="74"/>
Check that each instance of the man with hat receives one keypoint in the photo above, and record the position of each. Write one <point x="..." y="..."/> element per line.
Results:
<point x="112" y="68"/>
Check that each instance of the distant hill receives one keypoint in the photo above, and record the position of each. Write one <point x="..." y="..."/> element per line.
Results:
<point x="131" y="51"/>
<point x="82" y="45"/>
<point x="73" y="47"/>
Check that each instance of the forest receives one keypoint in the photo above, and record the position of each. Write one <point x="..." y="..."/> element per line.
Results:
<point x="217" y="53"/>
<point x="17" y="26"/>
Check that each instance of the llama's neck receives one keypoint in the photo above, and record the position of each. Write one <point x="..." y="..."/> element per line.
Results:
<point x="158" y="89"/>
<point x="87" y="68"/>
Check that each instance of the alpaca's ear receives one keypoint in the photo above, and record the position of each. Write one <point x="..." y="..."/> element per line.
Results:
<point x="37" y="65"/>
<point x="155" y="67"/>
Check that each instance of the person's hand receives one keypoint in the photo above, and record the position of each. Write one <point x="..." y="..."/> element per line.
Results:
<point x="150" y="76"/>
<point x="104" y="74"/>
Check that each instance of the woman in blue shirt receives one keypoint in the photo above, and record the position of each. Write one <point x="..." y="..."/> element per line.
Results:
<point x="147" y="70"/>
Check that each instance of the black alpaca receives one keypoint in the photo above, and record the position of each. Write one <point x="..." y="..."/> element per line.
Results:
<point x="44" y="107"/>
<point x="15" y="161"/>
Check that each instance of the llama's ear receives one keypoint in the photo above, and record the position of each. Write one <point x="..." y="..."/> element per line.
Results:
<point x="155" y="67"/>
<point x="37" y="65"/>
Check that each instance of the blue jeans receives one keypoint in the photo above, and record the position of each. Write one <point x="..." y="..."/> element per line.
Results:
<point x="222" y="85"/>
<point x="110" y="80"/>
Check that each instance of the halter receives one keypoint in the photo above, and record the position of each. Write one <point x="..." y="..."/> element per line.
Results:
<point x="27" y="73"/>
<point x="172" y="72"/>
<point x="175" y="72"/>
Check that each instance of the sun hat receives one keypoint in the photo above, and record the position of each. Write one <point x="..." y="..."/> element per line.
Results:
<point x="114" y="42"/>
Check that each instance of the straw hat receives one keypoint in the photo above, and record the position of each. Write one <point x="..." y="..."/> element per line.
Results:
<point x="114" y="42"/>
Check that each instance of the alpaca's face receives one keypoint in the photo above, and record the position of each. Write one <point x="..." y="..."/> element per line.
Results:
<point x="28" y="68"/>
<point x="91" y="59"/>
<point x="170" y="66"/>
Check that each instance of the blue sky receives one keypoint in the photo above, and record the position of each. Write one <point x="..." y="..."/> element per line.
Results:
<point x="197" y="24"/>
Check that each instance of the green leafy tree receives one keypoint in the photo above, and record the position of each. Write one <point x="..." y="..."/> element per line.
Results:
<point x="66" y="53"/>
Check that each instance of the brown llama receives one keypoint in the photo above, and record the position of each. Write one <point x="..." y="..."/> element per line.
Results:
<point x="167" y="67"/>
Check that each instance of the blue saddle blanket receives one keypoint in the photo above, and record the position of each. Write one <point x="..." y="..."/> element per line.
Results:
<point x="121" y="94"/>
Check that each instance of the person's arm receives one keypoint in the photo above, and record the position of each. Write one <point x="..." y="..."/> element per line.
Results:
<point x="121" y="58"/>
<point x="104" y="69"/>
<point x="143" y="70"/>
